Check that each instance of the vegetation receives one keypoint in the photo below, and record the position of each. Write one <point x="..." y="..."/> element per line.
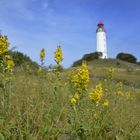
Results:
<point x="82" y="103"/>
<point x="87" y="57"/>
<point x="21" y="60"/>
<point x="127" y="57"/>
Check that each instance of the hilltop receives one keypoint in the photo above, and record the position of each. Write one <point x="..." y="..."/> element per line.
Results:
<point x="126" y="72"/>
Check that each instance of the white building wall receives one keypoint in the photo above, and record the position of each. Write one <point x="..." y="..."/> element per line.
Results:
<point x="101" y="45"/>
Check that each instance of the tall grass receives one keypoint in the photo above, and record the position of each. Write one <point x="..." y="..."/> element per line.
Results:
<point x="39" y="109"/>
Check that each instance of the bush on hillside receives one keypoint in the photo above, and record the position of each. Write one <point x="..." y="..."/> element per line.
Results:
<point x="87" y="57"/>
<point x="92" y="56"/>
<point x="22" y="59"/>
<point x="127" y="57"/>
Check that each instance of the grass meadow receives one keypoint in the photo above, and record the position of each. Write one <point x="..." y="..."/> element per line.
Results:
<point x="39" y="107"/>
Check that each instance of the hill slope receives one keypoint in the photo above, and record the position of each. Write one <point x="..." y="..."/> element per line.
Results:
<point x="128" y="73"/>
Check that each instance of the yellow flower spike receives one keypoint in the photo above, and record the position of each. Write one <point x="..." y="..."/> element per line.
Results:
<point x="4" y="44"/>
<point x="42" y="53"/>
<point x="10" y="65"/>
<point x="58" y="55"/>
<point x="96" y="94"/>
<point x="7" y="56"/>
<point x="105" y="103"/>
<point x="111" y="73"/>
<point x="73" y="101"/>
<point x="42" y="56"/>
<point x="81" y="79"/>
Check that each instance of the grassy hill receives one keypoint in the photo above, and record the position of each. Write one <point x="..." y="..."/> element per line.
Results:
<point x="123" y="71"/>
<point x="128" y="73"/>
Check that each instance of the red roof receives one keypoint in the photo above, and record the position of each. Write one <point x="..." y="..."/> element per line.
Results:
<point x="100" y="23"/>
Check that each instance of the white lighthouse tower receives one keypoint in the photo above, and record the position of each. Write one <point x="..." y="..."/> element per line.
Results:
<point x="101" y="40"/>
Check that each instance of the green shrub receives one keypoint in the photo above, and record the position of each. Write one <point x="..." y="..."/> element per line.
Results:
<point x="22" y="59"/>
<point x="87" y="57"/>
<point x="127" y="57"/>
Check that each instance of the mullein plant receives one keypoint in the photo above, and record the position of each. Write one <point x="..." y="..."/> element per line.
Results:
<point x="99" y="108"/>
<point x="57" y="85"/>
<point x="58" y="57"/>
<point x="42" y="57"/>
<point x="96" y="94"/>
<point x="6" y="71"/>
<point x="79" y="81"/>
<point x="111" y="73"/>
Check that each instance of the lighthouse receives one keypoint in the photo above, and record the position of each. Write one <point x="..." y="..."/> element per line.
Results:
<point x="101" y="40"/>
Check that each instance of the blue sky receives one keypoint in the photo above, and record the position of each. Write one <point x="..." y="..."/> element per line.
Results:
<point x="35" y="24"/>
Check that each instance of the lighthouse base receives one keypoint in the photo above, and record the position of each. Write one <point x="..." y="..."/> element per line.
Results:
<point x="102" y="55"/>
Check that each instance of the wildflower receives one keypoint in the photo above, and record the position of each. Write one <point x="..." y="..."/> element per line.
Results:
<point x="81" y="79"/>
<point x="96" y="94"/>
<point x="105" y="103"/>
<point x="110" y="73"/>
<point x="42" y="56"/>
<point x="10" y="64"/>
<point x="4" y="44"/>
<point x="42" y="53"/>
<point x="73" y="100"/>
<point x="58" y="55"/>
<point x="7" y="57"/>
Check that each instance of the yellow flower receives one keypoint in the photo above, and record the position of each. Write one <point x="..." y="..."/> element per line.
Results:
<point x="42" y="56"/>
<point x="96" y="94"/>
<point x="81" y="79"/>
<point x="58" y="55"/>
<point x="4" y="44"/>
<point x="73" y="101"/>
<point x="42" y="53"/>
<point x="111" y="73"/>
<point x="7" y="56"/>
<point x="10" y="64"/>
<point x="105" y="103"/>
